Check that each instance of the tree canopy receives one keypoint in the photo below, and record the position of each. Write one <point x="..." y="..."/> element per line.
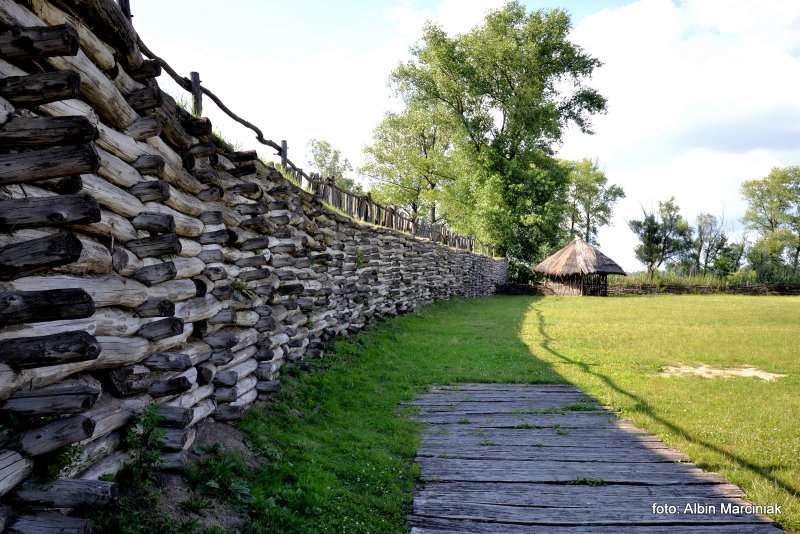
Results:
<point x="507" y="89"/>
<point x="329" y="163"/>
<point x="590" y="199"/>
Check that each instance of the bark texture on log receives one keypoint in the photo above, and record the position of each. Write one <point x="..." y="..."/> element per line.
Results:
<point x="48" y="163"/>
<point x="65" y="347"/>
<point x="49" y="305"/>
<point x="47" y="131"/>
<point x="35" y="212"/>
<point x="30" y="257"/>
<point x="35" y="42"/>
<point x="37" y="89"/>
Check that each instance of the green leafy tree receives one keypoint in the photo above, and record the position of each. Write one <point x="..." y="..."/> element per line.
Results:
<point x="511" y="86"/>
<point x="329" y="163"/>
<point x="664" y="236"/>
<point x="774" y="212"/>
<point x="590" y="199"/>
<point x="409" y="161"/>
<point x="707" y="245"/>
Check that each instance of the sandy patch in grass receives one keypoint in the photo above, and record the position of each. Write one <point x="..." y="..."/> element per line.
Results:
<point x="714" y="372"/>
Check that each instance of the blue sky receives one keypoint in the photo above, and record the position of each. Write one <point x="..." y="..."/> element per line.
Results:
<point x="702" y="93"/>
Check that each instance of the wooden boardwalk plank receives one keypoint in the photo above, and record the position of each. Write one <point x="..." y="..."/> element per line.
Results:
<point x="546" y="458"/>
<point x="437" y="525"/>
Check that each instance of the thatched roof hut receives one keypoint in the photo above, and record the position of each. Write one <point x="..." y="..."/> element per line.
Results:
<point x="578" y="269"/>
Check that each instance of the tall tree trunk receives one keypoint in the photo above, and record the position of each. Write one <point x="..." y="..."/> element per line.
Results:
<point x="588" y="234"/>
<point x="796" y="261"/>
<point x="433" y="205"/>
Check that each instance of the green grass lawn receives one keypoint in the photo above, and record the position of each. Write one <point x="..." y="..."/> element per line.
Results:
<point x="341" y="450"/>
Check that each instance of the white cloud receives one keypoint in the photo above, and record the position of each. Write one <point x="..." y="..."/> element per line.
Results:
<point x="702" y="93"/>
<point x="702" y="96"/>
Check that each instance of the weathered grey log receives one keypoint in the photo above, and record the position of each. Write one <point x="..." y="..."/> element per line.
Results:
<point x="65" y="493"/>
<point x="49" y="305"/>
<point x="150" y="191"/>
<point x="144" y="99"/>
<point x="149" y="68"/>
<point x="212" y="217"/>
<point x="48" y="163"/>
<point x="30" y="257"/>
<point x="196" y="126"/>
<point x="253" y="261"/>
<point x="218" y="237"/>
<point x="68" y="185"/>
<point x="177" y="461"/>
<point x="206" y="176"/>
<point x="251" y="209"/>
<point x="242" y="156"/>
<point x="34" y="212"/>
<point x="211" y="256"/>
<point x="170" y="386"/>
<point x="65" y="347"/>
<point x="155" y="274"/>
<point x="161" y="329"/>
<point x="156" y="307"/>
<point x="158" y="223"/>
<point x="37" y="89"/>
<point x="144" y="128"/>
<point x="149" y="164"/>
<point x="254" y="274"/>
<point x="174" y="416"/>
<point x="159" y="245"/>
<point x="229" y="377"/>
<point x="212" y="194"/>
<point x="223" y="292"/>
<point x="206" y="372"/>
<point x="243" y="170"/>
<point x="229" y="394"/>
<point x="55" y="435"/>
<point x="248" y="189"/>
<point x="36" y="42"/>
<point x="64" y="398"/>
<point x="46" y="131"/>
<point x="130" y="380"/>
<point x="168" y="361"/>
<point x="13" y="469"/>
<point x="255" y="243"/>
<point x="177" y="439"/>
<point x="215" y="272"/>
<point x="48" y="523"/>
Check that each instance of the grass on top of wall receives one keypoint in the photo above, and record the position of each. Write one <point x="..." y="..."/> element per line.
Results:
<point x="339" y="448"/>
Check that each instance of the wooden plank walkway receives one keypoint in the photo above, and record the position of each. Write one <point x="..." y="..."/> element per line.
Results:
<point x="513" y="458"/>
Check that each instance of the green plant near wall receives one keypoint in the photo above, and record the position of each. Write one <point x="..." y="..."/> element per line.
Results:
<point x="360" y="259"/>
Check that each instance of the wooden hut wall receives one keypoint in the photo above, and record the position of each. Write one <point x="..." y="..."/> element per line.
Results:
<point x="142" y="263"/>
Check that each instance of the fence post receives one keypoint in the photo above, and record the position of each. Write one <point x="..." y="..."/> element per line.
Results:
<point x="284" y="150"/>
<point x="197" y="94"/>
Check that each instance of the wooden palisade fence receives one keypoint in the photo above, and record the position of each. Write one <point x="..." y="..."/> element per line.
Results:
<point x="358" y="206"/>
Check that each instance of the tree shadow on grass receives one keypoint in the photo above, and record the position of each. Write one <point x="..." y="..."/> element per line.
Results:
<point x="645" y="407"/>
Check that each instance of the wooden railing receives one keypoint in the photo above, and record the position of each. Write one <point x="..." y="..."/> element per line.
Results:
<point x="358" y="206"/>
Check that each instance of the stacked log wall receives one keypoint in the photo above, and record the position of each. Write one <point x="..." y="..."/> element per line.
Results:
<point x="141" y="262"/>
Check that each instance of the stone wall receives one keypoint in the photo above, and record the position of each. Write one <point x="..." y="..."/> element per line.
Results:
<point x="142" y="261"/>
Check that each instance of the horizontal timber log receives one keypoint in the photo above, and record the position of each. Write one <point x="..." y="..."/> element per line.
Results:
<point x="65" y="347"/>
<point x="35" y="212"/>
<point x="37" y="89"/>
<point x="30" y="257"/>
<point x="36" y="42"/>
<point x="49" y="305"/>
<point x="48" y="163"/>
<point x="46" y="131"/>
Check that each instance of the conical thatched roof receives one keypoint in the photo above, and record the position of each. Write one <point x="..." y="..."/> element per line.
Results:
<point x="578" y="257"/>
